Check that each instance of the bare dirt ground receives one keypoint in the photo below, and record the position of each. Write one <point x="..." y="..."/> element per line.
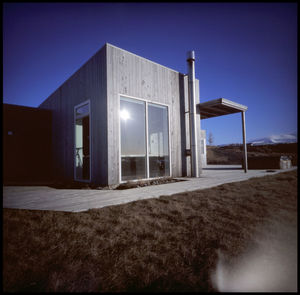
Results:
<point x="235" y="237"/>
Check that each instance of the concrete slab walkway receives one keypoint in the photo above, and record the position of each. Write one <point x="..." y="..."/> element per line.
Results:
<point x="77" y="200"/>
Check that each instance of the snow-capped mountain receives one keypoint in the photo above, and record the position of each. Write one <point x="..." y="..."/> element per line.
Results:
<point x="273" y="139"/>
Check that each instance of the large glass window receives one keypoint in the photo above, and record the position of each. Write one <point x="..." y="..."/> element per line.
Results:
<point x="133" y="139"/>
<point x="82" y="142"/>
<point x="134" y="155"/>
<point x="158" y="142"/>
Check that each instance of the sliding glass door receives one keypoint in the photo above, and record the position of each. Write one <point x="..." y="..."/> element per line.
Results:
<point x="144" y="139"/>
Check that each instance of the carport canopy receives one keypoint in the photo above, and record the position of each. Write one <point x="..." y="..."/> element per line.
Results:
<point x="220" y="107"/>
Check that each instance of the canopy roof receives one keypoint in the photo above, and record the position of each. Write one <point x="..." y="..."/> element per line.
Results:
<point x="219" y="107"/>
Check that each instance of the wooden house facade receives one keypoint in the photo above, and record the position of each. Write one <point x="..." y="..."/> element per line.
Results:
<point x="122" y="117"/>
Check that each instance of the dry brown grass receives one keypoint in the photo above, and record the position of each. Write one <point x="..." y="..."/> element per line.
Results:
<point x="164" y="244"/>
<point x="233" y="154"/>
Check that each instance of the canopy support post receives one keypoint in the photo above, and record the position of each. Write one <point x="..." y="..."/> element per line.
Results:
<point x="244" y="142"/>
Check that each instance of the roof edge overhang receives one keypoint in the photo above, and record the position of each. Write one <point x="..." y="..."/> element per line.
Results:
<point x="219" y="107"/>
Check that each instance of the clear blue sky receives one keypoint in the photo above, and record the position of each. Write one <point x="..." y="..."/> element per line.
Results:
<point x="245" y="52"/>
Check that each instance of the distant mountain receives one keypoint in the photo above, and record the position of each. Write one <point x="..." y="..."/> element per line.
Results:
<point x="273" y="139"/>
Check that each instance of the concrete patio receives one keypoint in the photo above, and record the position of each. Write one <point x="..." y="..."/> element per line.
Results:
<point x="77" y="200"/>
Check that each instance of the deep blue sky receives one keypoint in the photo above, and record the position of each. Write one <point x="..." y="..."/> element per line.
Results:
<point x="245" y="52"/>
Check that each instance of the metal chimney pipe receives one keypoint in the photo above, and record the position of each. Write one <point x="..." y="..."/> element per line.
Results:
<point x="192" y="109"/>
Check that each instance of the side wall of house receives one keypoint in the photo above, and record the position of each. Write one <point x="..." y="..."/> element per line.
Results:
<point x="88" y="83"/>
<point x="198" y="122"/>
<point x="203" y="148"/>
<point x="185" y="129"/>
<point x="131" y="75"/>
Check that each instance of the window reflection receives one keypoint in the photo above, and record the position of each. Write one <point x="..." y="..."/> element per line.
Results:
<point x="82" y="110"/>
<point x="124" y="115"/>
<point x="158" y="140"/>
<point x="133" y="139"/>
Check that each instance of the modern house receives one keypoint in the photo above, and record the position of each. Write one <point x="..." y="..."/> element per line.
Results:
<point x="122" y="117"/>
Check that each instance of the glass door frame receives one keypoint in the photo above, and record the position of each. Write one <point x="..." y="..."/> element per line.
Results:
<point x="88" y="113"/>
<point x="147" y="139"/>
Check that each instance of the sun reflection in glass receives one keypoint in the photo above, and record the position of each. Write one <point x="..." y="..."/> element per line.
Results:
<point x="125" y="115"/>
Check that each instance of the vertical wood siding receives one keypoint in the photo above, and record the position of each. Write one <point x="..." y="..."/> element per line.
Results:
<point x="186" y="159"/>
<point x="198" y="124"/>
<point x="109" y="73"/>
<point x="128" y="74"/>
<point x="88" y="83"/>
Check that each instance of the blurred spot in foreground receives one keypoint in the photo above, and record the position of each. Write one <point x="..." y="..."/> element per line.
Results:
<point x="271" y="266"/>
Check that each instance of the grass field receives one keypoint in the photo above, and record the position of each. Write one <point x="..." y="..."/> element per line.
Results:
<point x="233" y="154"/>
<point x="186" y="242"/>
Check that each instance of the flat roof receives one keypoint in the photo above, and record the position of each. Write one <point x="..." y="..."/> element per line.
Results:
<point x="219" y="107"/>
